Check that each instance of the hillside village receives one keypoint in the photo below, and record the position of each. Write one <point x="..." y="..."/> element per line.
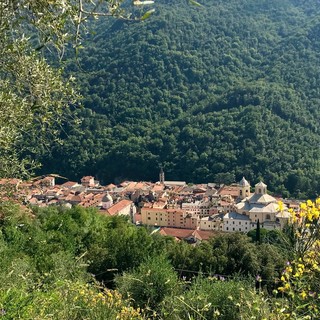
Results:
<point x="175" y="208"/>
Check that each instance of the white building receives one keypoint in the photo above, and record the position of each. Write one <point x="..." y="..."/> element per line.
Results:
<point x="107" y="201"/>
<point x="233" y="222"/>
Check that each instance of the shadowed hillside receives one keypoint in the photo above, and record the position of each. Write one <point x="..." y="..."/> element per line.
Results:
<point x="211" y="93"/>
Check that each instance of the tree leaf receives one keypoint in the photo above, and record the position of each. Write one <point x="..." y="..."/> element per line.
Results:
<point x="195" y="3"/>
<point x="147" y="14"/>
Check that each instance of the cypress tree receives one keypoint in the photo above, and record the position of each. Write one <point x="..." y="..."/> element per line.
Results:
<point x="258" y="233"/>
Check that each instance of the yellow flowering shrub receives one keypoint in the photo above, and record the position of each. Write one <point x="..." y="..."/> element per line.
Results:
<point x="67" y="300"/>
<point x="300" y="279"/>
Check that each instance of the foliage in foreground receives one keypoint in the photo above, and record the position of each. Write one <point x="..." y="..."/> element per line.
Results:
<point x="64" y="299"/>
<point x="46" y="257"/>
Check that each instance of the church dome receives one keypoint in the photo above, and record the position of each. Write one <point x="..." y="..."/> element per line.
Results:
<point x="261" y="184"/>
<point x="244" y="183"/>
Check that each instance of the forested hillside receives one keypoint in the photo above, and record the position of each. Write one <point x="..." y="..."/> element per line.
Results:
<point x="210" y="92"/>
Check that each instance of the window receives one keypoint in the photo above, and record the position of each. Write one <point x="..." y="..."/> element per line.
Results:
<point x="268" y="217"/>
<point x="149" y="218"/>
<point x="227" y="228"/>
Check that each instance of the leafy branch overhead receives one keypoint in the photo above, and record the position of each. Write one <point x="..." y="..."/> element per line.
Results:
<point x="34" y="96"/>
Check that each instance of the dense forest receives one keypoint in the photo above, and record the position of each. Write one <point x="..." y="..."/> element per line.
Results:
<point x="210" y="93"/>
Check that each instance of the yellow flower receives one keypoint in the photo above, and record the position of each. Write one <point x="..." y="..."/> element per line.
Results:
<point x="315" y="213"/>
<point x="309" y="215"/>
<point x="303" y="295"/>
<point x="289" y="269"/>
<point x="280" y="206"/>
<point x="309" y="203"/>
<point x="303" y="206"/>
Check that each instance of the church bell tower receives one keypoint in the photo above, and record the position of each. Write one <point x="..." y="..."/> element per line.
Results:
<point x="161" y="176"/>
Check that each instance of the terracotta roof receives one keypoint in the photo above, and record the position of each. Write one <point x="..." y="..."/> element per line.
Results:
<point x="158" y="187"/>
<point x="186" y="233"/>
<point x="69" y="184"/>
<point x="76" y="198"/>
<point x="229" y="190"/>
<point x="10" y="181"/>
<point x="140" y="185"/>
<point x="147" y="205"/>
<point x="203" y="235"/>
<point x="199" y="190"/>
<point x="159" y="204"/>
<point x="110" y="186"/>
<point x="176" y="232"/>
<point x="114" y="210"/>
<point x="131" y="186"/>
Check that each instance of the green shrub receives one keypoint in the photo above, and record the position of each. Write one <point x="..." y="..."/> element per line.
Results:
<point x="149" y="284"/>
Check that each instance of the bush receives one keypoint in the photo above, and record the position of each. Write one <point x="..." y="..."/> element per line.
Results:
<point x="215" y="298"/>
<point x="149" y="284"/>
